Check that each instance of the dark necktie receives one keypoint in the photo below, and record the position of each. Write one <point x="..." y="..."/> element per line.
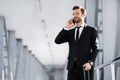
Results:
<point x="77" y="33"/>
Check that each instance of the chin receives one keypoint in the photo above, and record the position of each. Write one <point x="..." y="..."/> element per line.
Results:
<point x="78" y="20"/>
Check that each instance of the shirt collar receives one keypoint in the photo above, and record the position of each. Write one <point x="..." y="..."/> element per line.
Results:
<point x="82" y="25"/>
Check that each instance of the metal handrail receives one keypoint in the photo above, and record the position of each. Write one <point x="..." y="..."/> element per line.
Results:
<point x="111" y="63"/>
<point x="107" y="63"/>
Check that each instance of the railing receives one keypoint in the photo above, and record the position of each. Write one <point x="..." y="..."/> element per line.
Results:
<point x="112" y="65"/>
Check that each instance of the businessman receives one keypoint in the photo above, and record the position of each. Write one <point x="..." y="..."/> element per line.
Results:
<point x="83" y="45"/>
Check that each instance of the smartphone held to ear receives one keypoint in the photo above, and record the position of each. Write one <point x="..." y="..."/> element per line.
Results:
<point x="73" y="21"/>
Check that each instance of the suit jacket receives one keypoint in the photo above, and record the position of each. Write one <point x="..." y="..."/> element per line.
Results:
<point x="85" y="49"/>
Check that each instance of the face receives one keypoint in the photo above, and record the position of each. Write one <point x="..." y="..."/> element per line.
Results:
<point x="77" y="15"/>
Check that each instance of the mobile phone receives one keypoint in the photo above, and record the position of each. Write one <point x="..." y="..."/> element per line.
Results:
<point x="73" y="21"/>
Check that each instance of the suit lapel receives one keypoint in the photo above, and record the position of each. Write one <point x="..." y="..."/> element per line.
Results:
<point x="73" y="35"/>
<point x="83" y="33"/>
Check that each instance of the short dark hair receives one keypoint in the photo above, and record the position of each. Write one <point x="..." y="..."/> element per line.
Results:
<point x="81" y="8"/>
<point x="76" y="7"/>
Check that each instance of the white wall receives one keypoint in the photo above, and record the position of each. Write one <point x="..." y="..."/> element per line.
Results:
<point x="109" y="27"/>
<point x="90" y="7"/>
<point x="109" y="32"/>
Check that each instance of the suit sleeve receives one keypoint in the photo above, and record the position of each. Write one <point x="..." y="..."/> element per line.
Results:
<point x="62" y="37"/>
<point x="94" y="45"/>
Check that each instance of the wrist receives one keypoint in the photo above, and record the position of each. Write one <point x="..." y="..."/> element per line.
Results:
<point x="68" y="28"/>
<point x="90" y="62"/>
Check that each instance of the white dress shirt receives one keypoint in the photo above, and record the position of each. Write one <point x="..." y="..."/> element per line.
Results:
<point x="80" y="29"/>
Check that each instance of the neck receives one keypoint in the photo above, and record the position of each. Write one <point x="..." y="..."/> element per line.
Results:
<point x="79" y="24"/>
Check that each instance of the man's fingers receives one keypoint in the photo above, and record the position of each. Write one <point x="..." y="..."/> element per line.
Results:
<point x="86" y="67"/>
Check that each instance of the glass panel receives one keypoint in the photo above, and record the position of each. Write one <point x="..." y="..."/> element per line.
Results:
<point x="117" y="70"/>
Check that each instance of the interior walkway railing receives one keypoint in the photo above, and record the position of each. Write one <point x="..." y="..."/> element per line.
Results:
<point x="112" y="68"/>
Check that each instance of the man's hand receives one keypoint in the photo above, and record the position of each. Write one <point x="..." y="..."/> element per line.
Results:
<point x="87" y="66"/>
<point x="69" y="24"/>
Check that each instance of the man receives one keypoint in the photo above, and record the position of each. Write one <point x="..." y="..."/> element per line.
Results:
<point x="83" y="45"/>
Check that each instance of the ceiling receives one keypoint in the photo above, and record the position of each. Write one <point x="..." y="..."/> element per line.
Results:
<point x="38" y="22"/>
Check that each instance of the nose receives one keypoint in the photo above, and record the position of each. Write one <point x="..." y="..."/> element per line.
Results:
<point x="75" y="15"/>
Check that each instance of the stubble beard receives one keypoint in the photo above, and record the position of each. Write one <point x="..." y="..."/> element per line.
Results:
<point x="78" y="20"/>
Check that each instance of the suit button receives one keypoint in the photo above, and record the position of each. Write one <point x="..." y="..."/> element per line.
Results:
<point x="75" y="58"/>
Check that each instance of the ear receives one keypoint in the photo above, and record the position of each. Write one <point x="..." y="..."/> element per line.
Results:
<point x="83" y="15"/>
<point x="83" y="12"/>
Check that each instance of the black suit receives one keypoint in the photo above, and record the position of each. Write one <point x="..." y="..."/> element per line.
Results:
<point x="85" y="49"/>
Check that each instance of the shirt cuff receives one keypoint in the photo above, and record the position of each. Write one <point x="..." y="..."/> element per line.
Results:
<point x="68" y="28"/>
<point x="91" y="63"/>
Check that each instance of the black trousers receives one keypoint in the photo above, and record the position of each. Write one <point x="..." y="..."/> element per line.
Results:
<point x="77" y="73"/>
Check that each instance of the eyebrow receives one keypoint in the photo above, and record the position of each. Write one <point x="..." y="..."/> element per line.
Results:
<point x="76" y="13"/>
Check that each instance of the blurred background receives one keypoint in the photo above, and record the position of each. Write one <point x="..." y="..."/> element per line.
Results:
<point x="28" y="29"/>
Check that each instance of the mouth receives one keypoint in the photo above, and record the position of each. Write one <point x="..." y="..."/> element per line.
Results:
<point x="77" y="19"/>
